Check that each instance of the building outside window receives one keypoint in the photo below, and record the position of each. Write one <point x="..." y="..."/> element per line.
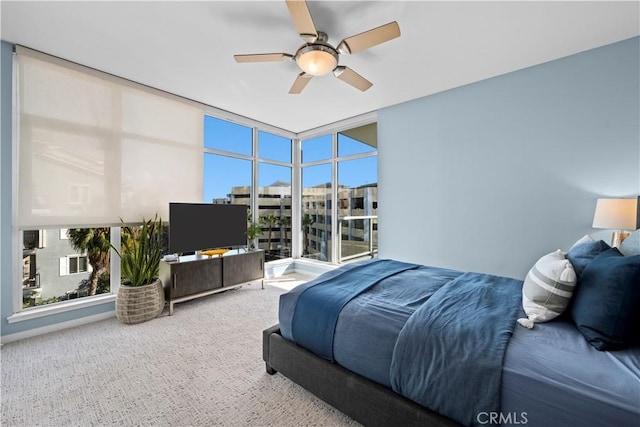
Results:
<point x="73" y="264"/>
<point x="53" y="270"/>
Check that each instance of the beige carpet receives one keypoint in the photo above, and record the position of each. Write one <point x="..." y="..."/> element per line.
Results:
<point x="200" y="367"/>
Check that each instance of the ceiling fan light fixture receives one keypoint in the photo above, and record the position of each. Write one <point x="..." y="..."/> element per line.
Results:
<point x="317" y="59"/>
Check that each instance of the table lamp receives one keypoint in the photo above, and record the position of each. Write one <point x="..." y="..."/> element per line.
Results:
<point x="617" y="214"/>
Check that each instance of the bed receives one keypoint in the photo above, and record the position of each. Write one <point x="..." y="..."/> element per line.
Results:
<point x="374" y="340"/>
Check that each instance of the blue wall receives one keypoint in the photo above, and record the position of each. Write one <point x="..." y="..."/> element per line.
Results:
<point x="490" y="176"/>
<point x="8" y="259"/>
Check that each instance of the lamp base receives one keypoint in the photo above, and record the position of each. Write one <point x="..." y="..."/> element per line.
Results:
<point x="617" y="238"/>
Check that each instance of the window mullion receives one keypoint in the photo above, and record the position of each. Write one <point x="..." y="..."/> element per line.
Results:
<point x="114" y="265"/>
<point x="296" y="200"/>
<point x="255" y="202"/>
<point x="334" y="200"/>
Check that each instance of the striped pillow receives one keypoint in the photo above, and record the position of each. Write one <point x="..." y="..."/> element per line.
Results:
<point x="547" y="289"/>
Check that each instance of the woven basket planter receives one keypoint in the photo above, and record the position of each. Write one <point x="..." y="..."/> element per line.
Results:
<point x="137" y="304"/>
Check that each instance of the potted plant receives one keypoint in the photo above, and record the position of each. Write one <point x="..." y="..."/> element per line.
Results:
<point x="141" y="295"/>
<point x="254" y="229"/>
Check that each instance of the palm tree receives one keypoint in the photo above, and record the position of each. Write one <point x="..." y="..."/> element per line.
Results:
<point x="307" y="221"/>
<point x="96" y="243"/>
<point x="285" y="222"/>
<point x="254" y="229"/>
<point x="270" y="220"/>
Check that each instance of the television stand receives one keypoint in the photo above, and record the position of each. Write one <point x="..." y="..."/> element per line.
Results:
<point x="195" y="276"/>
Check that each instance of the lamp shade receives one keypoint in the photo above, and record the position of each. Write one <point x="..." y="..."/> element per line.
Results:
<point x="619" y="214"/>
<point x="317" y="60"/>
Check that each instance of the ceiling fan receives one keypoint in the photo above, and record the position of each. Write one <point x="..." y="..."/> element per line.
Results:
<point x="316" y="57"/>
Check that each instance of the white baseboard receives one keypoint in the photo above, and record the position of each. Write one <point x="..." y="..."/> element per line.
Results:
<point x="56" y="327"/>
<point x="313" y="267"/>
<point x="277" y="268"/>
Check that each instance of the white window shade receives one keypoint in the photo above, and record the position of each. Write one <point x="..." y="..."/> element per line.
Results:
<point x="93" y="148"/>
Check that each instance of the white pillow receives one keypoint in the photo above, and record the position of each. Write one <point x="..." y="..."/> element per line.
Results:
<point x="584" y="239"/>
<point x="547" y="289"/>
<point x="631" y="245"/>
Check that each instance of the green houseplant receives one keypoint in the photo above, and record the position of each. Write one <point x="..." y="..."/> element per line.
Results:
<point x="254" y="229"/>
<point x="141" y="295"/>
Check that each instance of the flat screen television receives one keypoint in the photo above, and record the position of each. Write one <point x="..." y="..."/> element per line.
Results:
<point x="200" y="226"/>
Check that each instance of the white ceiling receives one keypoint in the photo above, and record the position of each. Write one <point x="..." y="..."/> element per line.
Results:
<point x="187" y="48"/>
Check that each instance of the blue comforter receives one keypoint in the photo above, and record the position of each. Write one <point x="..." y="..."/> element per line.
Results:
<point x="318" y="306"/>
<point x="540" y="377"/>
<point x="469" y="319"/>
<point x="454" y="345"/>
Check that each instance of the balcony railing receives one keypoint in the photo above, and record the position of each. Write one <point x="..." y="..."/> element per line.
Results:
<point x="358" y="237"/>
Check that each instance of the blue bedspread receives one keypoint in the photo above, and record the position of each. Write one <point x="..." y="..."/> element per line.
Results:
<point x="448" y="356"/>
<point x="318" y="306"/>
<point x="540" y="377"/>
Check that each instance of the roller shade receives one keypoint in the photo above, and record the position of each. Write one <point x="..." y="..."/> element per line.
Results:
<point x="94" y="148"/>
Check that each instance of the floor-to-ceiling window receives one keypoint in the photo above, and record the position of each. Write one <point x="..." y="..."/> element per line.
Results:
<point x="358" y="193"/>
<point x="317" y="172"/>
<point x="244" y="165"/>
<point x="274" y="194"/>
<point x="341" y="167"/>
<point x="358" y="208"/>
<point x="316" y="212"/>
<point x="92" y="150"/>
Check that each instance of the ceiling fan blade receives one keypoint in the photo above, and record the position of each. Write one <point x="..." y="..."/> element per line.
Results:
<point x="300" y="83"/>
<point x="370" y="38"/>
<point x="349" y="76"/>
<point x="302" y="19"/>
<point x="263" y="57"/>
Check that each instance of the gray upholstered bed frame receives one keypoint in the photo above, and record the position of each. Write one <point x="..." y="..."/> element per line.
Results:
<point x="363" y="400"/>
